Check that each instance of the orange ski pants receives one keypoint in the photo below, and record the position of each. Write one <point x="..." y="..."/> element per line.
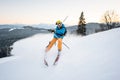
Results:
<point x="53" y="41"/>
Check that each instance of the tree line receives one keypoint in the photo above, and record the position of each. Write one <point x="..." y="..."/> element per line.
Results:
<point x="109" y="20"/>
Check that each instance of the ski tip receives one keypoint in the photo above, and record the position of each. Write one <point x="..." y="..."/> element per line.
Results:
<point x="45" y="62"/>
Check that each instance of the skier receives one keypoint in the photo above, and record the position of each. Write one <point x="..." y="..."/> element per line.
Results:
<point x="59" y="33"/>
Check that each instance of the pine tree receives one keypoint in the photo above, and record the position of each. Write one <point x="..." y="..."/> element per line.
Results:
<point x="81" y="25"/>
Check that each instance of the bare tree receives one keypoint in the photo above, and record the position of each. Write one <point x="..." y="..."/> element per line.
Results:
<point x="111" y="19"/>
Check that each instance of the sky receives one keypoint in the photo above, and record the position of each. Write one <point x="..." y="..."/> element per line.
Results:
<point x="49" y="11"/>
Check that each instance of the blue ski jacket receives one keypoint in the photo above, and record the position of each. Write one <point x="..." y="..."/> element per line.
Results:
<point x="59" y="32"/>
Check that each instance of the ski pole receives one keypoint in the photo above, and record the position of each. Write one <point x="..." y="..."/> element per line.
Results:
<point x="65" y="18"/>
<point x="64" y="21"/>
<point x="66" y="45"/>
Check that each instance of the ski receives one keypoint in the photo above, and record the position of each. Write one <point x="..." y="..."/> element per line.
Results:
<point x="56" y="60"/>
<point x="45" y="62"/>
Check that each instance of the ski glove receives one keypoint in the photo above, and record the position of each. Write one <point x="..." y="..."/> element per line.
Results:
<point x="51" y="30"/>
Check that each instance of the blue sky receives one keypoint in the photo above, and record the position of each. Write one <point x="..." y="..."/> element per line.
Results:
<point x="48" y="11"/>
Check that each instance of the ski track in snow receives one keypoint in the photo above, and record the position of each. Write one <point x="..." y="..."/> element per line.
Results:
<point x="94" y="57"/>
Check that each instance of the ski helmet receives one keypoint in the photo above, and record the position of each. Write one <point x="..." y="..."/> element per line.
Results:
<point x="58" y="22"/>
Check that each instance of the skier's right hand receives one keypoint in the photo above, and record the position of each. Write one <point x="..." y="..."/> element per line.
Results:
<point x="51" y="30"/>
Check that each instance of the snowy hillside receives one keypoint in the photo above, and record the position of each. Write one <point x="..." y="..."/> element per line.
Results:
<point x="94" y="57"/>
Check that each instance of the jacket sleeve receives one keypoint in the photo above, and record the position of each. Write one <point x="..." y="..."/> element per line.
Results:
<point x="60" y="31"/>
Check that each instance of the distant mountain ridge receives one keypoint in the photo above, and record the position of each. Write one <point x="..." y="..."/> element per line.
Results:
<point x="10" y="26"/>
<point x="45" y="26"/>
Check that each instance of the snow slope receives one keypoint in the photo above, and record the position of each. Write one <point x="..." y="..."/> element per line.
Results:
<point x="94" y="57"/>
